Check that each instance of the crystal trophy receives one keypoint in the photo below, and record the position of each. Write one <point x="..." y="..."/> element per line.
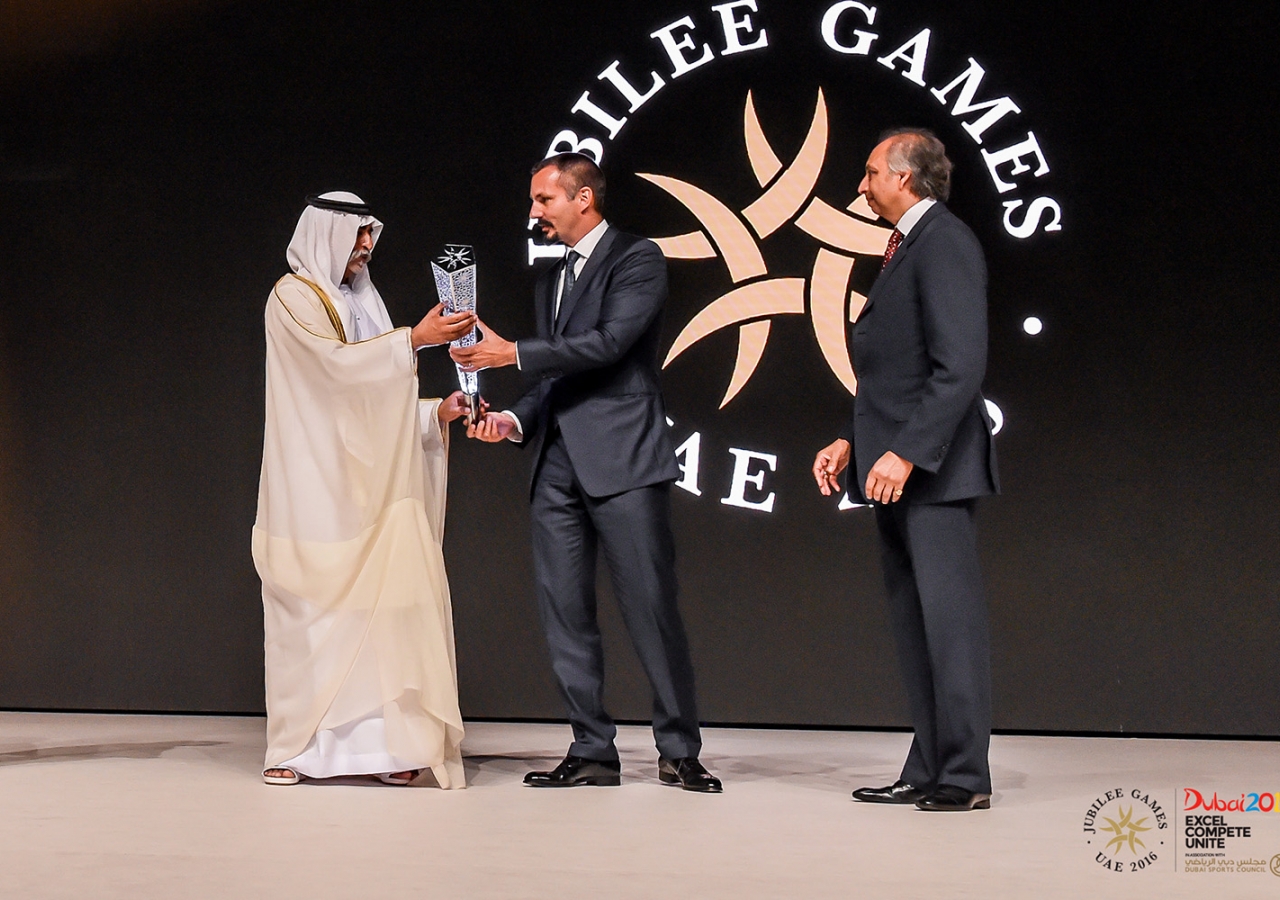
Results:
<point x="455" y="273"/>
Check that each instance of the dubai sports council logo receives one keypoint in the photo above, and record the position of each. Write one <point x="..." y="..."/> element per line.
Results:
<point x="786" y="198"/>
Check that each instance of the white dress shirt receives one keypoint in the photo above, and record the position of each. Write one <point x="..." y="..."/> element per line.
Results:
<point x="914" y="215"/>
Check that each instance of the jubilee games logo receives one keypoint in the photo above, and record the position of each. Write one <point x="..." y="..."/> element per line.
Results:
<point x="1125" y="830"/>
<point x="844" y="235"/>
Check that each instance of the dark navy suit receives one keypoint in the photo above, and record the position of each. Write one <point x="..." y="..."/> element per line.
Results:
<point x="603" y="463"/>
<point x="920" y="353"/>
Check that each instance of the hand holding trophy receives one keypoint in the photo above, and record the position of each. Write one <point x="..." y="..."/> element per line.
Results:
<point x="455" y="274"/>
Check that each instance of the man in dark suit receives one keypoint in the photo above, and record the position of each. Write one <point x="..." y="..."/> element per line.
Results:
<point x="921" y="449"/>
<point x="603" y="464"/>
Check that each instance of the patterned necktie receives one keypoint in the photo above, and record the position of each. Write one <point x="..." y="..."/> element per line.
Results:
<point x="895" y="240"/>
<point x="570" y="263"/>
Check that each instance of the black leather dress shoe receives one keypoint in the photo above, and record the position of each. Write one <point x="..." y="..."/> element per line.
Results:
<point x="574" y="771"/>
<point x="898" y="792"/>
<point x="949" y="798"/>
<point x="689" y="774"/>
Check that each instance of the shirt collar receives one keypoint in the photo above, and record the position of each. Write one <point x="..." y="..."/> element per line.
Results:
<point x="914" y="215"/>
<point x="588" y="243"/>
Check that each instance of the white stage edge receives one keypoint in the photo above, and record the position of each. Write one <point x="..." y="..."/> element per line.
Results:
<point x="107" y="806"/>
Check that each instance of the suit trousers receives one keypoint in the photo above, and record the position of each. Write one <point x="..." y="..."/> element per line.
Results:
<point x="939" y="616"/>
<point x="634" y="530"/>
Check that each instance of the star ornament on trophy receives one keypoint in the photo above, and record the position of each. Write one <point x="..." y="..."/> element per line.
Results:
<point x="455" y="274"/>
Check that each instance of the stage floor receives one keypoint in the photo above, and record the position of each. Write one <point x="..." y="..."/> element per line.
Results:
<point x="105" y="806"/>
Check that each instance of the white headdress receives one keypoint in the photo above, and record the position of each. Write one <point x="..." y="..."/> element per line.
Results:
<point x="321" y="247"/>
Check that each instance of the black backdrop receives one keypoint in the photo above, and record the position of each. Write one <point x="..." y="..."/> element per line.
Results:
<point x="151" y="180"/>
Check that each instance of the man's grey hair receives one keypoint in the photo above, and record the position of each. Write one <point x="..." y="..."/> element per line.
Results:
<point x="918" y="151"/>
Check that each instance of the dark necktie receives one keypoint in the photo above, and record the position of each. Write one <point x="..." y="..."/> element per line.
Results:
<point x="570" y="262"/>
<point x="895" y="240"/>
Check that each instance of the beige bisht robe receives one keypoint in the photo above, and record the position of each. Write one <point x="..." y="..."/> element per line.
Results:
<point x="348" y="541"/>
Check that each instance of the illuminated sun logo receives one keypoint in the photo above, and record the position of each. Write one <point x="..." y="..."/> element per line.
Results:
<point x="735" y="237"/>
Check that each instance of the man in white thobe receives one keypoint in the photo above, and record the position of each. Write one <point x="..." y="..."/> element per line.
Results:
<point x="360" y="670"/>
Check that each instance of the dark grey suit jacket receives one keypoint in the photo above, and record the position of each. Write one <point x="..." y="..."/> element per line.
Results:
<point x="920" y="354"/>
<point x="597" y="369"/>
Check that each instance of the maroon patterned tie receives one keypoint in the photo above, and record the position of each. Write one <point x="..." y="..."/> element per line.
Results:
<point x="895" y="240"/>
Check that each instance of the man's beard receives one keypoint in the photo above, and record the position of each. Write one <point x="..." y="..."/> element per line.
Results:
<point x="360" y="256"/>
<point x="540" y="236"/>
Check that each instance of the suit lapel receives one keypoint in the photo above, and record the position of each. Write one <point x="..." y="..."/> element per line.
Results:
<point x="909" y="239"/>
<point x="594" y="262"/>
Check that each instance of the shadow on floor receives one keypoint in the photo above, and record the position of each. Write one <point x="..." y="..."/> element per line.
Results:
<point x="11" y="757"/>
<point x="798" y="769"/>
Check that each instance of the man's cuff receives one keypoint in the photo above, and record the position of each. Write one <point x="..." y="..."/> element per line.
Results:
<point x="516" y="436"/>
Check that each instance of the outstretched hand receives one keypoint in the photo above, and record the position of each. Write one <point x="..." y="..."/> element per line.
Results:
<point x="438" y="328"/>
<point x="828" y="464"/>
<point x="490" y="352"/>
<point x="492" y="427"/>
